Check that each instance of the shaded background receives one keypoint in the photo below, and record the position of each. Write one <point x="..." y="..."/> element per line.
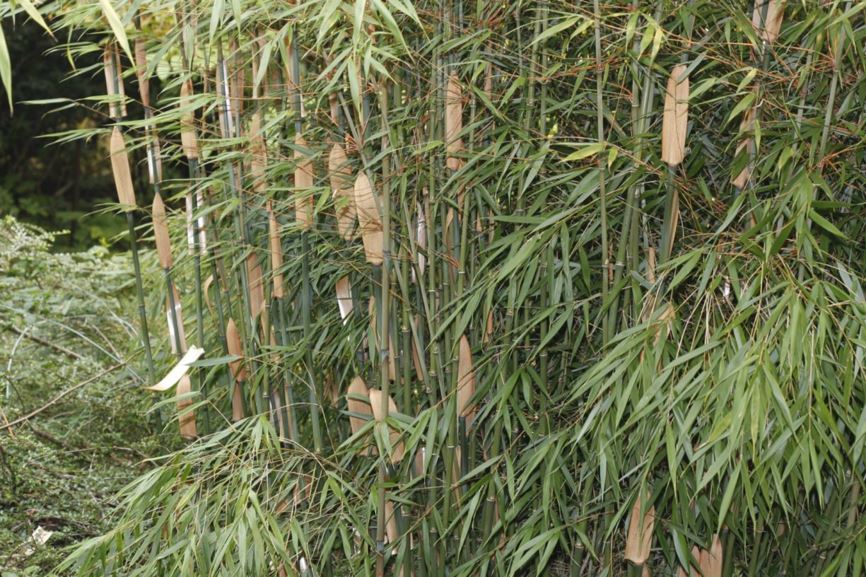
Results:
<point x="56" y="186"/>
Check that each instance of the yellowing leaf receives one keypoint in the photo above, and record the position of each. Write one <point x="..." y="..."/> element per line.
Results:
<point x="116" y="26"/>
<point x="585" y="151"/>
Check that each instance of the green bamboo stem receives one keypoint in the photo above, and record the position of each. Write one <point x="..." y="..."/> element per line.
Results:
<point x="212" y="239"/>
<point x="647" y="94"/>
<point x="627" y="250"/>
<point x="383" y="309"/>
<point x="199" y="303"/>
<point x="544" y="364"/>
<point x="493" y="449"/>
<point x="273" y="396"/>
<point x="600" y="162"/>
<point x="133" y="244"/>
<point x="761" y="60"/>
<point x="292" y="419"/>
<point x="306" y="306"/>
<point x="834" y="84"/>
<point x="220" y="311"/>
<point x="666" y="239"/>
<point x="193" y="172"/>
<point x="405" y="333"/>
<point x="172" y="308"/>
<point x="306" y="291"/>
<point x="139" y="291"/>
<point x="230" y="129"/>
<point x="272" y="401"/>
<point x="434" y="295"/>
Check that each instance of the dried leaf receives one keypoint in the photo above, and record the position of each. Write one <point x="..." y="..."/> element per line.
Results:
<point x="453" y="122"/>
<point x="640" y="533"/>
<point x="178" y="371"/>
<point x="141" y="72"/>
<point x="748" y="143"/>
<point x="186" y="417"/>
<point x="676" y="117"/>
<point x="257" y="285"/>
<point x="421" y="240"/>
<point x="344" y="297"/>
<point x="369" y="220"/>
<point x="357" y="388"/>
<point x="303" y="186"/>
<point x="330" y="390"/>
<point x="390" y="522"/>
<point x="767" y="19"/>
<point x="691" y="571"/>
<point x="237" y="403"/>
<point x="340" y="174"/>
<point x="188" y="139"/>
<point x="711" y="561"/>
<point x="397" y="449"/>
<point x="276" y="253"/>
<point x="418" y="465"/>
<point x="205" y="289"/>
<point x="172" y="317"/>
<point x="160" y="232"/>
<point x="258" y="149"/>
<point x="40" y="536"/>
<point x="120" y="169"/>
<point x="233" y="342"/>
<point x="465" y="379"/>
<point x="665" y="322"/>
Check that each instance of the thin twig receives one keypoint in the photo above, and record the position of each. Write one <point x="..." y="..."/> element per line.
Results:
<point x="54" y="401"/>
<point x="41" y="341"/>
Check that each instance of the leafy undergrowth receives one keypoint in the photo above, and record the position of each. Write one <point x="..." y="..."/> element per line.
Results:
<point x="64" y="347"/>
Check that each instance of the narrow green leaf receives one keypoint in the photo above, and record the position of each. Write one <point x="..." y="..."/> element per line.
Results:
<point x="117" y="27"/>
<point x="585" y="151"/>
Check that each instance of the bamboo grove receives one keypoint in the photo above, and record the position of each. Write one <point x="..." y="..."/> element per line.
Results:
<point x="492" y="288"/>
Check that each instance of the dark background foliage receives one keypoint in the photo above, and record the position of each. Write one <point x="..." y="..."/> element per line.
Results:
<point x="56" y="186"/>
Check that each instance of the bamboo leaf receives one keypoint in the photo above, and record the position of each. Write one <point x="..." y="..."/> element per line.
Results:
<point x="117" y="27"/>
<point x="585" y="151"/>
<point x="34" y="14"/>
<point x="5" y="68"/>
